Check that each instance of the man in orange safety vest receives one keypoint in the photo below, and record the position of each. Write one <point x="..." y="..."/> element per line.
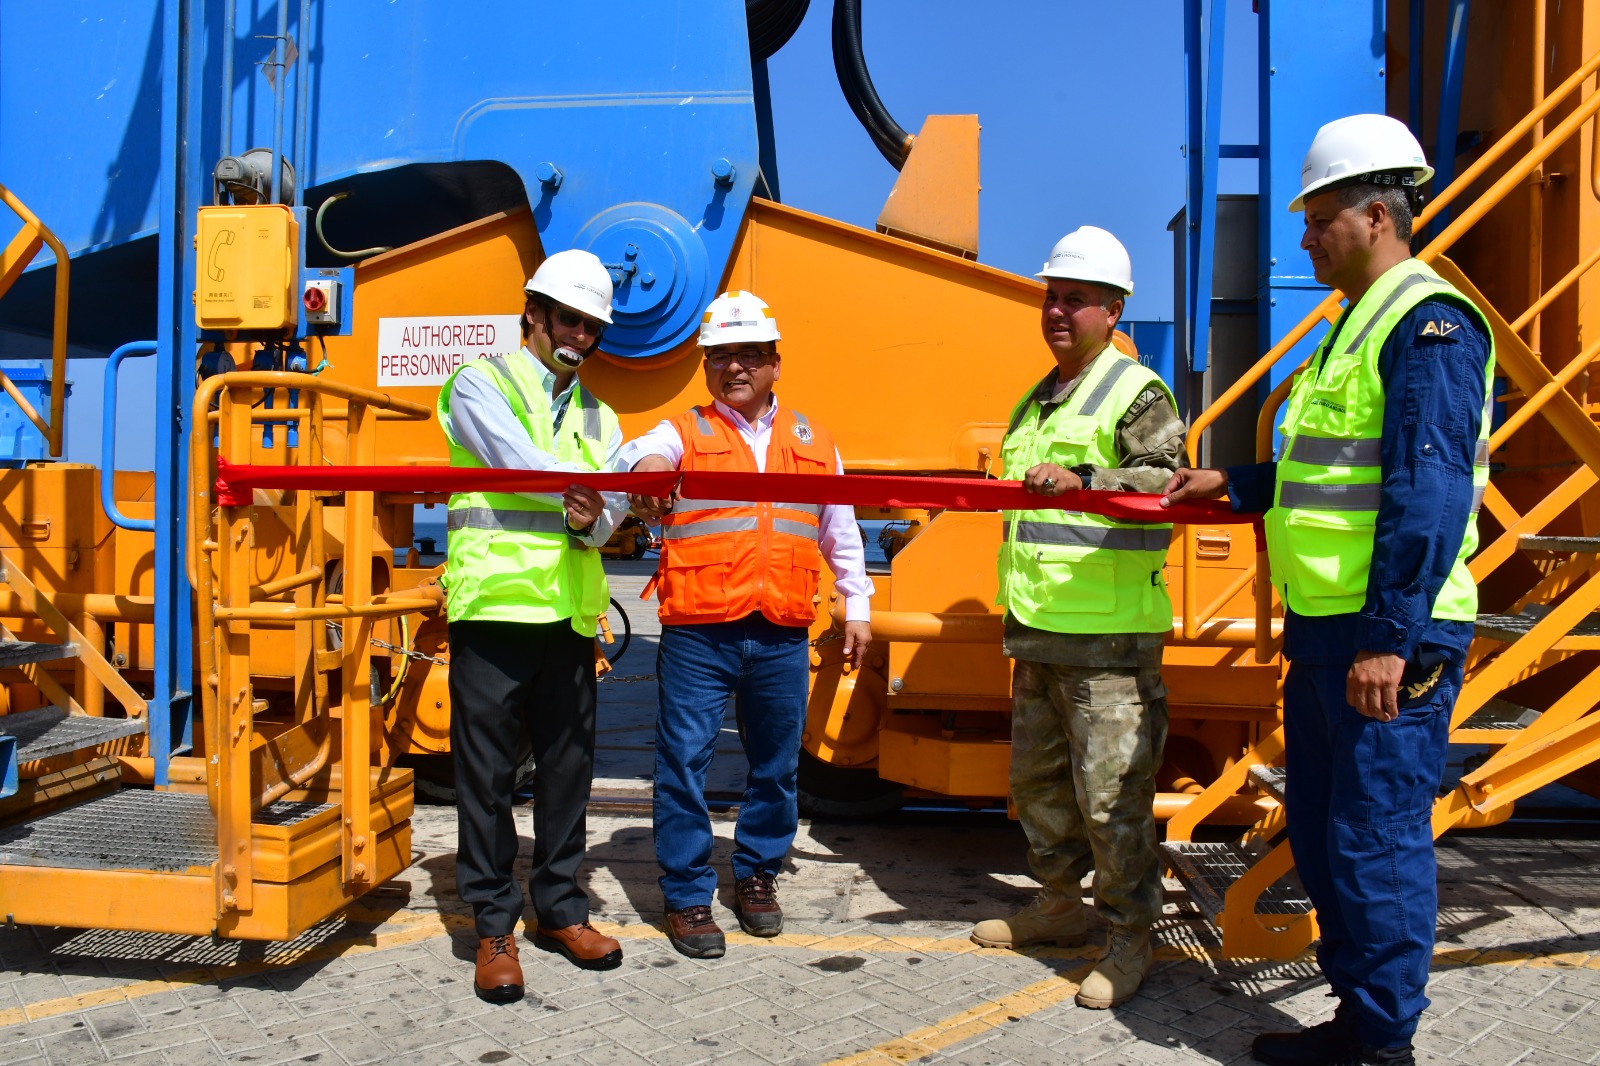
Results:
<point x="738" y="587"/>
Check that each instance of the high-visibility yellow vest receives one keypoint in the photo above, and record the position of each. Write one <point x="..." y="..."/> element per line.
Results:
<point x="509" y="558"/>
<point x="1069" y="572"/>
<point x="1330" y="478"/>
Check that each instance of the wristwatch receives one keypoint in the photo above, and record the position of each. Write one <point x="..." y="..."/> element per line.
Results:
<point x="1085" y="472"/>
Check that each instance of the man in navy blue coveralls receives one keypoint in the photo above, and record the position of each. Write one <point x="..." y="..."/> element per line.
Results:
<point x="1368" y="696"/>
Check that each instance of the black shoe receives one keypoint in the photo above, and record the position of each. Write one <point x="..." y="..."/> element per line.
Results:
<point x="755" y="901"/>
<point x="695" y="934"/>
<point x="1399" y="1055"/>
<point x="1330" y="1044"/>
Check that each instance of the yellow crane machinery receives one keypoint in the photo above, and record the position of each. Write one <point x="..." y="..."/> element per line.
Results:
<point x="321" y="654"/>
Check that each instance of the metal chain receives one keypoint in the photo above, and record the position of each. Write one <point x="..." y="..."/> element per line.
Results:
<point x="409" y="653"/>
<point x="614" y="679"/>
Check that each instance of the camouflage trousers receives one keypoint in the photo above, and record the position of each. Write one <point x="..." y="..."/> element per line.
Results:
<point x="1085" y="745"/>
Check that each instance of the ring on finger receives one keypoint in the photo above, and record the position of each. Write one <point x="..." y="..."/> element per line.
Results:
<point x="1049" y="484"/>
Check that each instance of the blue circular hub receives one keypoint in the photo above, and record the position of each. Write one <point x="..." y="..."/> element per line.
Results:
<point x="659" y="272"/>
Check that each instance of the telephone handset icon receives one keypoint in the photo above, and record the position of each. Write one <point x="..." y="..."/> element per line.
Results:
<point x="213" y="271"/>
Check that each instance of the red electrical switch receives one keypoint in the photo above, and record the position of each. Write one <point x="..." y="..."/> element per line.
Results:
<point x="321" y="300"/>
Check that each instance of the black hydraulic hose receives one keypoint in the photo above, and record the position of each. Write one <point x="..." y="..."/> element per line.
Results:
<point x="850" y="64"/>
<point x="772" y="23"/>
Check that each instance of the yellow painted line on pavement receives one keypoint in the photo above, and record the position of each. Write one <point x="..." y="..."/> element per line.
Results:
<point x="972" y="1022"/>
<point x="406" y="926"/>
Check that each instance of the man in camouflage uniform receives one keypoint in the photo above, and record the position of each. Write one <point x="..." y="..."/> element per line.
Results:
<point x="1087" y="614"/>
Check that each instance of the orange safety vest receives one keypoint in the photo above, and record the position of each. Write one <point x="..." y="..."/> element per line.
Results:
<point x="724" y="559"/>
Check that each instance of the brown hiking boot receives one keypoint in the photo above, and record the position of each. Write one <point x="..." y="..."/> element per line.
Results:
<point x="1120" y="971"/>
<point x="693" y="932"/>
<point x="1051" y="918"/>
<point x="498" y="978"/>
<point x="582" y="944"/>
<point x="755" y="901"/>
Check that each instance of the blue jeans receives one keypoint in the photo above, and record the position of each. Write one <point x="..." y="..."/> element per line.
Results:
<point x="699" y="667"/>
<point x="1360" y="811"/>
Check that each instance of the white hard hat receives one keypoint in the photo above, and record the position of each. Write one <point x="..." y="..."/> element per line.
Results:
<point x="1090" y="253"/>
<point x="576" y="279"/>
<point x="1355" y="146"/>
<point x="737" y="317"/>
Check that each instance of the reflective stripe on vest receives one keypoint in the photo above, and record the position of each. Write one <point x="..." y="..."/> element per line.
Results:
<point x="1358" y="451"/>
<point x="1334" y="451"/>
<point x="1330" y="497"/>
<point x="507" y="521"/>
<point x="686" y="506"/>
<point x="705" y="527"/>
<point x="1129" y="539"/>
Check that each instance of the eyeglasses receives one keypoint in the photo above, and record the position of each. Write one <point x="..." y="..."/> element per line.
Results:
<point x="749" y="358"/>
<point x="572" y="320"/>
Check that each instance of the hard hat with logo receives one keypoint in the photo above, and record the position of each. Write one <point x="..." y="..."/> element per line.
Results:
<point x="1373" y="148"/>
<point x="737" y="317"/>
<point x="1090" y="253"/>
<point x="576" y="279"/>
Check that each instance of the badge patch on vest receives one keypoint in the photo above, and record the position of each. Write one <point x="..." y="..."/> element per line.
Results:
<point x="802" y="432"/>
<point x="1329" y="404"/>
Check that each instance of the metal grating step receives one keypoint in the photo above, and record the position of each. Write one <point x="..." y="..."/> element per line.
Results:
<point x="133" y="829"/>
<point x="1530" y="543"/>
<point x="1270" y="779"/>
<point x="1209" y="870"/>
<point x="15" y="653"/>
<point x="51" y="731"/>
<point x="1501" y="714"/>
<point x="1510" y="627"/>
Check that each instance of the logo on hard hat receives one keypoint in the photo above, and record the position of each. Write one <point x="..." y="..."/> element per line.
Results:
<point x="802" y="432"/>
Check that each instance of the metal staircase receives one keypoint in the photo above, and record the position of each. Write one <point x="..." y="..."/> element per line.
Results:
<point x="1247" y="887"/>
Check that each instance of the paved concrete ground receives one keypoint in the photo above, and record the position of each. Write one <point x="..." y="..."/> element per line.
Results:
<point x="874" y="967"/>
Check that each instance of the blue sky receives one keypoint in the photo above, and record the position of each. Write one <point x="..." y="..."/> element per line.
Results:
<point x="1082" y="108"/>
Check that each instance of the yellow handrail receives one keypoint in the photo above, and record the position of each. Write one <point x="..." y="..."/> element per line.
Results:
<point x="229" y="598"/>
<point x="58" y="324"/>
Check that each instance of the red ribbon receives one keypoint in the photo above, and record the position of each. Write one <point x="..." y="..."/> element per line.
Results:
<point x="235" y="484"/>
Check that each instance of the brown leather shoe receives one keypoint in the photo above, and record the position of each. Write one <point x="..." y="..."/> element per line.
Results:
<point x="755" y="901"/>
<point x="695" y="934"/>
<point x="499" y="975"/>
<point x="582" y="944"/>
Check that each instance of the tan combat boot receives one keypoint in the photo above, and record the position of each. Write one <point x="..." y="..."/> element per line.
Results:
<point x="1052" y="918"/>
<point x="1120" y="971"/>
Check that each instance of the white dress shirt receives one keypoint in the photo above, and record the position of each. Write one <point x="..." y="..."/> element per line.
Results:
<point x="481" y="421"/>
<point x="838" y="536"/>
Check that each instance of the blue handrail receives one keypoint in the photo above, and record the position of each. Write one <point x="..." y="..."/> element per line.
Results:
<point x="108" y="438"/>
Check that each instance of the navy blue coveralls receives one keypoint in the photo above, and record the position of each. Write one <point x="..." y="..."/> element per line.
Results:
<point x="1360" y="808"/>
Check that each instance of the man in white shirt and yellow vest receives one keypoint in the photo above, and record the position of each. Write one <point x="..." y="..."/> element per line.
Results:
<point x="525" y="591"/>
<point x="738" y="585"/>
<point x="1087" y="614"/>
<point x="1371" y="516"/>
